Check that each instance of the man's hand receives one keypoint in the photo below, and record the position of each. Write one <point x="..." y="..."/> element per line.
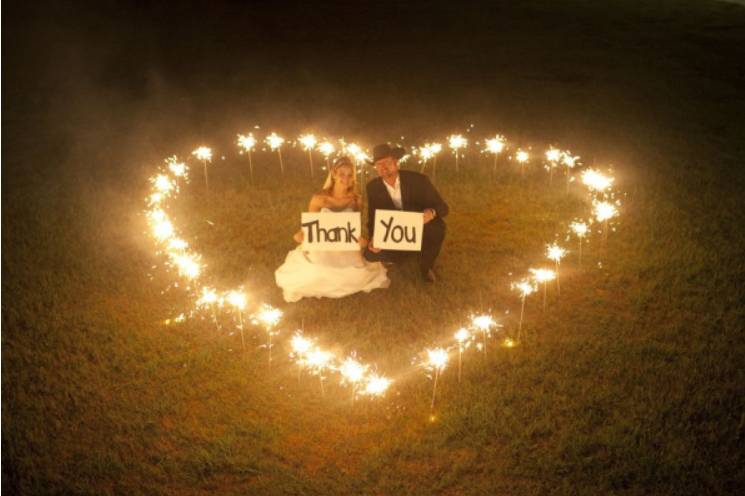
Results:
<point x="363" y="242"/>
<point x="429" y="214"/>
<point x="372" y="248"/>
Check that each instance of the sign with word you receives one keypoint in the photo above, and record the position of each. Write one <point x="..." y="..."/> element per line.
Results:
<point x="330" y="231"/>
<point x="397" y="230"/>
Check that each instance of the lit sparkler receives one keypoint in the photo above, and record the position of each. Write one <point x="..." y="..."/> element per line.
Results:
<point x="204" y="154"/>
<point x="526" y="287"/>
<point x="353" y="373"/>
<point x="326" y="148"/>
<point x="596" y="181"/>
<point x="376" y="385"/>
<point x="247" y="142"/>
<point x="552" y="155"/>
<point x="556" y="253"/>
<point x="237" y="299"/>
<point x="463" y="337"/>
<point x="495" y="146"/>
<point x="522" y="157"/>
<point x="543" y="276"/>
<point x="580" y="230"/>
<point x="269" y="317"/>
<point x="275" y="143"/>
<point x="483" y="323"/>
<point x="604" y="211"/>
<point x="456" y="142"/>
<point x="309" y="142"/>
<point x="437" y="360"/>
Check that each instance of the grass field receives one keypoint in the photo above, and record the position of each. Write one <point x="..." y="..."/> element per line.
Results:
<point x="632" y="382"/>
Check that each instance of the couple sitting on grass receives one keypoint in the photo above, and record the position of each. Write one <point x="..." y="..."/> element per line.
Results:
<point x="335" y="274"/>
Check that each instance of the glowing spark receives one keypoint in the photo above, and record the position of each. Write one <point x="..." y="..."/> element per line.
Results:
<point x="508" y="343"/>
<point x="163" y="184"/>
<point x="462" y="335"/>
<point x="203" y="153"/>
<point x="435" y="148"/>
<point x="376" y="385"/>
<point x="483" y="322"/>
<point x="209" y="297"/>
<point x="187" y="266"/>
<point x="308" y="141"/>
<point x="604" y="211"/>
<point x="579" y="228"/>
<point x="596" y="181"/>
<point x="268" y="315"/>
<point x="543" y="275"/>
<point x="318" y="360"/>
<point x="495" y="145"/>
<point x="237" y="299"/>
<point x="274" y="141"/>
<point x="163" y="229"/>
<point x="426" y="152"/>
<point x="438" y="358"/>
<point x="553" y="155"/>
<point x="177" y="244"/>
<point x="326" y="148"/>
<point x="456" y="142"/>
<point x="526" y="287"/>
<point x="246" y="141"/>
<point x="568" y="160"/>
<point x="300" y="344"/>
<point x="177" y="168"/>
<point x="352" y="371"/>
<point x="522" y="156"/>
<point x="555" y="252"/>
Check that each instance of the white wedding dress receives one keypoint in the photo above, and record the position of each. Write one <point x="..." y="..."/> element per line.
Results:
<point x="329" y="274"/>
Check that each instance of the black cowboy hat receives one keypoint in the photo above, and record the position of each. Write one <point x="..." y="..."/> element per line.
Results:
<point x="385" y="150"/>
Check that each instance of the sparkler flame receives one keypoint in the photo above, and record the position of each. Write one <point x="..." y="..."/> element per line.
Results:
<point x="495" y="145"/>
<point x="456" y="142"/>
<point x="437" y="358"/>
<point x="462" y="335"/>
<point x="236" y="299"/>
<point x="553" y="155"/>
<point x="203" y="153"/>
<point x="376" y="385"/>
<point x="596" y="181"/>
<point x="543" y="275"/>
<point x="522" y="156"/>
<point x="526" y="287"/>
<point x="308" y="141"/>
<point x="579" y="228"/>
<point x="246" y="141"/>
<point x="352" y="371"/>
<point x="326" y="148"/>
<point x="604" y="211"/>
<point x="274" y="141"/>
<point x="555" y="252"/>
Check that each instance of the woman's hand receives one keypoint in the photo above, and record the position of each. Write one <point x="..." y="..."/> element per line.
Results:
<point x="299" y="237"/>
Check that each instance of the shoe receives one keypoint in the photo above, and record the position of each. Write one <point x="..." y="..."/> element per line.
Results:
<point x="429" y="276"/>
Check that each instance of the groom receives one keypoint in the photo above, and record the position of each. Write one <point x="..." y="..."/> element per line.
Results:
<point x="410" y="191"/>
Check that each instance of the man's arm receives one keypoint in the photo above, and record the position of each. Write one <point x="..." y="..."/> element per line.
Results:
<point x="432" y="198"/>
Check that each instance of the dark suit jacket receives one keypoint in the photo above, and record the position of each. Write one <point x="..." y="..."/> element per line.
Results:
<point x="417" y="194"/>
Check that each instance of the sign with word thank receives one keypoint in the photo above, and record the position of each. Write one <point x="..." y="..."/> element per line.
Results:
<point x="330" y="231"/>
<point x="397" y="230"/>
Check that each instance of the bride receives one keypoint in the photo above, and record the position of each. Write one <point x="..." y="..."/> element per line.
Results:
<point x="331" y="274"/>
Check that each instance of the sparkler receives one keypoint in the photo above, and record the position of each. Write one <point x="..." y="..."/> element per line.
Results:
<point x="177" y="168"/>
<point x="456" y="142"/>
<point x="209" y="299"/>
<point x="247" y="142"/>
<point x="319" y="361"/>
<point x="353" y="372"/>
<point x="580" y="229"/>
<point x="326" y="148"/>
<point x="462" y="336"/>
<point x="596" y="181"/>
<point x="204" y="154"/>
<point x="275" y="143"/>
<point x="556" y="253"/>
<point x="435" y="148"/>
<point x="603" y="212"/>
<point x="269" y="317"/>
<point x="526" y="287"/>
<point x="238" y="300"/>
<point x="543" y="276"/>
<point x="437" y="360"/>
<point x="552" y="155"/>
<point x="495" y="146"/>
<point x="309" y="142"/>
<point x="522" y="157"/>
<point x="425" y="152"/>
<point x="376" y="385"/>
<point x="483" y="323"/>
<point x="300" y="348"/>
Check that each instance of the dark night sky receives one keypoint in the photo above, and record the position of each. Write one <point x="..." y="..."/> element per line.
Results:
<point x="159" y="74"/>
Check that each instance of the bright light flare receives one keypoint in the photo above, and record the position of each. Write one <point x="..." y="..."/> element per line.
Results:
<point x="203" y="153"/>
<point x="522" y="156"/>
<point x="555" y="252"/>
<point x="553" y="155"/>
<point x="274" y="141"/>
<point x="579" y="228"/>
<point x="456" y="142"/>
<point x="308" y="141"/>
<point x="543" y="275"/>
<point x="437" y="358"/>
<point x="596" y="181"/>
<point x="604" y="211"/>
<point x="268" y="315"/>
<point x="376" y="385"/>
<point x="247" y="142"/>
<point x="495" y="145"/>
<point x="352" y="371"/>
<point x="326" y="148"/>
<point x="237" y="299"/>
<point x="526" y="287"/>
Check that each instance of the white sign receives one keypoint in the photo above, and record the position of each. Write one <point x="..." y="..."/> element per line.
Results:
<point x="397" y="230"/>
<point x="330" y="231"/>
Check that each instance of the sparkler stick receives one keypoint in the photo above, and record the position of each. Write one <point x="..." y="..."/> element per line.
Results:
<point x="462" y="336"/>
<point x="456" y="142"/>
<point x="205" y="155"/>
<point x="275" y="143"/>
<point x="495" y="146"/>
<point x="552" y="155"/>
<point x="435" y="148"/>
<point x="309" y="142"/>
<point x="526" y="287"/>
<point x="300" y="347"/>
<point x="580" y="229"/>
<point x="238" y="300"/>
<point x="556" y="253"/>
<point x="438" y="359"/>
<point x="543" y="276"/>
<point x="522" y="157"/>
<point x="269" y="317"/>
<point x="318" y="360"/>
<point x="247" y="142"/>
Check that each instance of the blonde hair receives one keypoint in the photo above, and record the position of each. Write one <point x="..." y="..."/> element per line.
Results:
<point x="328" y="185"/>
